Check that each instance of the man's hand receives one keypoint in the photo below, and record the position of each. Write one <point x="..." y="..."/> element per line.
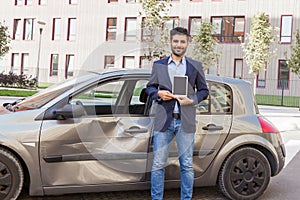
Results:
<point x="183" y="100"/>
<point x="165" y="95"/>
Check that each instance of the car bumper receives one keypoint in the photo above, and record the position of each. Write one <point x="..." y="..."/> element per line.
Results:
<point x="281" y="158"/>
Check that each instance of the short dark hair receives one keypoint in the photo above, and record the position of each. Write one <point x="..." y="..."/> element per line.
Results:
<point x="179" y="31"/>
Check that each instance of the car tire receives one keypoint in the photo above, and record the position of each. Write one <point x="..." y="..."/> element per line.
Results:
<point x="11" y="176"/>
<point x="245" y="174"/>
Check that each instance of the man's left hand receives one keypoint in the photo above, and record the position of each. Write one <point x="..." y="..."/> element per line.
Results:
<point x="183" y="100"/>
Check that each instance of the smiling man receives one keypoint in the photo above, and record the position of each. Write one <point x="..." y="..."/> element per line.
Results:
<point x="175" y="116"/>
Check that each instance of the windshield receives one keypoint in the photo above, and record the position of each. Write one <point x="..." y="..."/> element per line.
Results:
<point x="44" y="96"/>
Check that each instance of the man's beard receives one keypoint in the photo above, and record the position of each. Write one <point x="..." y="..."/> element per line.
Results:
<point x="178" y="54"/>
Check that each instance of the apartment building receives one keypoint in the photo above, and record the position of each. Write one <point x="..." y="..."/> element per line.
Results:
<point x="60" y="38"/>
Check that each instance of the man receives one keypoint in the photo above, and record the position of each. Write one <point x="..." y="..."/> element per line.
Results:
<point x="175" y="115"/>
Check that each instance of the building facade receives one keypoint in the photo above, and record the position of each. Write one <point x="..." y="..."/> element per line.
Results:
<point x="57" y="39"/>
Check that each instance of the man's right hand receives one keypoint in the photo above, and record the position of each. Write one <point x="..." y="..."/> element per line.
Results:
<point x="165" y="95"/>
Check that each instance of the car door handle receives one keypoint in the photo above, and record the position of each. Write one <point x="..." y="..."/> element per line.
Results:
<point x="135" y="130"/>
<point x="212" y="127"/>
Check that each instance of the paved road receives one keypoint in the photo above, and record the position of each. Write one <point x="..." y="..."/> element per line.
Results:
<point x="282" y="187"/>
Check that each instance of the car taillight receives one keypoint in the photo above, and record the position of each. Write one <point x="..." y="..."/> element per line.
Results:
<point x="267" y="126"/>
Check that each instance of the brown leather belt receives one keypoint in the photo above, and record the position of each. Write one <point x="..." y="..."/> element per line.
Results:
<point x="176" y="115"/>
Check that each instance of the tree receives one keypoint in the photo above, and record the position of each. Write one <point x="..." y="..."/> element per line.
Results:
<point x="4" y="40"/>
<point x="294" y="60"/>
<point x="258" y="51"/>
<point x="205" y="45"/>
<point x="155" y="15"/>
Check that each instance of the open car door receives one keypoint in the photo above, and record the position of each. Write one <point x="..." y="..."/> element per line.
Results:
<point x="108" y="144"/>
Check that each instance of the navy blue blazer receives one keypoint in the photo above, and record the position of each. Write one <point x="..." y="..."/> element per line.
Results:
<point x="197" y="90"/>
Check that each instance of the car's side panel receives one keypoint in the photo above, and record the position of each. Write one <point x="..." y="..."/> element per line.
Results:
<point x="104" y="146"/>
<point x="20" y="133"/>
<point x="214" y="118"/>
<point x="231" y="144"/>
<point x="94" y="150"/>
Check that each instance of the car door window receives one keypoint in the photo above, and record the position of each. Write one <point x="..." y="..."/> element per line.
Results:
<point x="100" y="99"/>
<point x="219" y="100"/>
<point x="137" y="102"/>
<point x="114" y="97"/>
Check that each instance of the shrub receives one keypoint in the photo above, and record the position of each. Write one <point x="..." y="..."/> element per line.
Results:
<point x="17" y="81"/>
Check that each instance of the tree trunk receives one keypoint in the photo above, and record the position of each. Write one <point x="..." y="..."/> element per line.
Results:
<point x="254" y="84"/>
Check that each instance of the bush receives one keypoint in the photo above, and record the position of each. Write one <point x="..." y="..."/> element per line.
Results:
<point x="17" y="81"/>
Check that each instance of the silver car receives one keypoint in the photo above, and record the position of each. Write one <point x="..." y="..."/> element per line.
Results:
<point x="93" y="133"/>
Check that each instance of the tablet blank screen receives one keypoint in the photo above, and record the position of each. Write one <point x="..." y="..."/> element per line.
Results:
<point x="180" y="85"/>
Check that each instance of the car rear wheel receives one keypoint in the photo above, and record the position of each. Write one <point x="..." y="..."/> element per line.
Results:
<point x="11" y="176"/>
<point x="245" y="174"/>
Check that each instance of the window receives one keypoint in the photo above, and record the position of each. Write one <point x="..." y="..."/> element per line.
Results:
<point x="194" y="25"/>
<point x="110" y="97"/>
<point x="109" y="61"/>
<point x="146" y="32"/>
<point x="219" y="100"/>
<point x="17" y="29"/>
<point x="238" y="68"/>
<point x="71" y="29"/>
<point x="283" y="75"/>
<point x="130" y="29"/>
<point x="128" y="61"/>
<point x="73" y="2"/>
<point x="135" y="104"/>
<point x="42" y="2"/>
<point x="69" y="70"/>
<point x="54" y="65"/>
<point x="172" y="23"/>
<point x="111" y="28"/>
<point x="28" y="2"/>
<point x="261" y="78"/>
<point x="286" y="29"/>
<point x="56" y="29"/>
<point x="28" y="29"/>
<point x="100" y="100"/>
<point x="18" y="2"/>
<point x="229" y="29"/>
<point x="24" y="63"/>
<point x="15" y="63"/>
<point x="145" y="62"/>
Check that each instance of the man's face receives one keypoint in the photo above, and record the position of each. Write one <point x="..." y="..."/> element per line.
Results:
<point x="179" y="44"/>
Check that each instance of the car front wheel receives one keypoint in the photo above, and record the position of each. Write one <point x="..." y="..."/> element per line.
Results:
<point x="11" y="176"/>
<point x="245" y="174"/>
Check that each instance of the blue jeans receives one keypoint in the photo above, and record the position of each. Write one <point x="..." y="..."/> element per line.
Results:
<point x="185" y="147"/>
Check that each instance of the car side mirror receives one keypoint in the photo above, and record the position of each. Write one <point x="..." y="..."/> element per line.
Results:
<point x="69" y="111"/>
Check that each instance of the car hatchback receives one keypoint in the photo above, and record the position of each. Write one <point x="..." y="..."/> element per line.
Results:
<point x="93" y="133"/>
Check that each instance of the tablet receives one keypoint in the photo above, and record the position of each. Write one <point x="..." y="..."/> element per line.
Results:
<point x="180" y="85"/>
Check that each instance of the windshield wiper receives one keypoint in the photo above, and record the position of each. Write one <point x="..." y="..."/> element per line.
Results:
<point x="10" y="106"/>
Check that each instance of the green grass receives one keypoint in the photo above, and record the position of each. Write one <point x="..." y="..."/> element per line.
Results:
<point x="275" y="100"/>
<point x="43" y="85"/>
<point x="17" y="93"/>
<point x="23" y="92"/>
